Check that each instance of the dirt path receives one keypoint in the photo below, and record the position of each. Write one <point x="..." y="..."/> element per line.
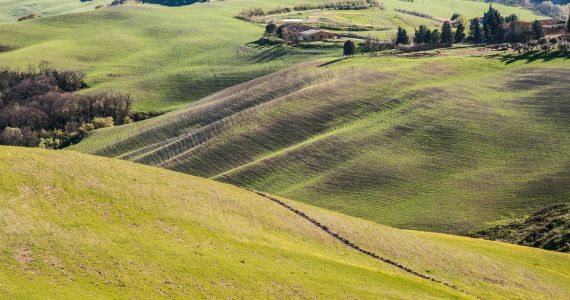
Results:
<point x="350" y="244"/>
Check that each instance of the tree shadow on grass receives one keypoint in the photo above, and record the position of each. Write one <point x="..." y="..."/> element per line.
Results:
<point x="532" y="56"/>
<point x="332" y="62"/>
<point x="268" y="53"/>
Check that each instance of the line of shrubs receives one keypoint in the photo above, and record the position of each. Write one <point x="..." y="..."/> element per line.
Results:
<point x="249" y="13"/>
<point x="39" y="108"/>
<point x="415" y="13"/>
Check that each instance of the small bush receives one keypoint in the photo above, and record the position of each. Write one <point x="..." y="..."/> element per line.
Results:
<point x="103" y="122"/>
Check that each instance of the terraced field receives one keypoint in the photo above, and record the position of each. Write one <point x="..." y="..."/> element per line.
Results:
<point x="445" y="143"/>
<point x="77" y="226"/>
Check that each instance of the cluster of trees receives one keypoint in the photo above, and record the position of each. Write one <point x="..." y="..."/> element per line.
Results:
<point x="435" y="38"/>
<point x="38" y="107"/>
<point x="249" y="13"/>
<point x="491" y="29"/>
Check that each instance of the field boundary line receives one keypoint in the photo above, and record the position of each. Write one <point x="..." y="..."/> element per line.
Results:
<point x="356" y="247"/>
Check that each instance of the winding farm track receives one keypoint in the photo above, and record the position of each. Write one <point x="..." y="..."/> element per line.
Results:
<point x="352" y="245"/>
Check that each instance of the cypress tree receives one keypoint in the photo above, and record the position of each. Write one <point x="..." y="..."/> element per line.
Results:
<point x="460" y="33"/>
<point x="446" y="34"/>
<point x="349" y="48"/>
<point x="427" y="37"/>
<point x="493" y="26"/>
<point x="435" y="38"/>
<point x="475" y="31"/>
<point x="420" y="35"/>
<point x="537" y="30"/>
<point x="402" y="37"/>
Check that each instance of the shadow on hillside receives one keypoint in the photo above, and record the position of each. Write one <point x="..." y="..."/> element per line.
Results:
<point x="332" y="62"/>
<point x="269" y="53"/>
<point x="532" y="56"/>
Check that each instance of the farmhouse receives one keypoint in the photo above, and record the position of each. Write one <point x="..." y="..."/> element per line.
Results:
<point x="553" y="27"/>
<point x="301" y="32"/>
<point x="313" y="35"/>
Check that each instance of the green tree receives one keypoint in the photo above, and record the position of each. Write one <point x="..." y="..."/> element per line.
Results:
<point x="420" y="35"/>
<point x="270" y="28"/>
<point x="493" y="26"/>
<point x="446" y="34"/>
<point x="349" y="48"/>
<point x="460" y="33"/>
<point x="475" y="34"/>
<point x="537" y="30"/>
<point x="512" y="18"/>
<point x="402" y="37"/>
<point x="427" y="38"/>
<point x="435" y="38"/>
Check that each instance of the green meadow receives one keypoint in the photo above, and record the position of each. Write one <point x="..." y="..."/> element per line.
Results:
<point x="77" y="226"/>
<point x="446" y="143"/>
<point x="11" y="10"/>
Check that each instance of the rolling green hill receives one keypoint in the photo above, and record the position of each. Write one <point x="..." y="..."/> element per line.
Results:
<point x="77" y="226"/>
<point x="167" y="57"/>
<point x="11" y="10"/>
<point x="164" y="57"/>
<point x="446" y="143"/>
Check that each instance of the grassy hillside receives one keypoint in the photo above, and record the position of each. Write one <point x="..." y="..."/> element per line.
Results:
<point x="164" y="57"/>
<point x="76" y="226"/>
<point x="11" y="10"/>
<point x="444" y="143"/>
<point x="167" y="57"/>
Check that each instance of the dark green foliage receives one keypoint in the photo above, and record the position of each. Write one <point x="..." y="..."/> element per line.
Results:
<point x="455" y="16"/>
<point x="512" y="18"/>
<point x="460" y="33"/>
<point x="493" y="26"/>
<point x="446" y="34"/>
<point x="39" y="107"/>
<point x="270" y="28"/>
<point x="548" y="228"/>
<point x="518" y="33"/>
<point x="349" y="48"/>
<point x="402" y="37"/>
<point x="568" y="24"/>
<point x="537" y="30"/>
<point x="475" y="34"/>
<point x="420" y="35"/>
<point x="435" y="38"/>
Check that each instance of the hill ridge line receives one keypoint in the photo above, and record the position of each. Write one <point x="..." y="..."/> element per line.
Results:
<point x="352" y="245"/>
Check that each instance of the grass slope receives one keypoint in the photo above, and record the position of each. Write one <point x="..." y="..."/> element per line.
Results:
<point x="445" y="143"/>
<point x="167" y="57"/>
<point x="164" y="57"/>
<point x="11" y="10"/>
<point x="77" y="226"/>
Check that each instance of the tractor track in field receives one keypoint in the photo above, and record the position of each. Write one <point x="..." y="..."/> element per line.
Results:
<point x="354" y="246"/>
